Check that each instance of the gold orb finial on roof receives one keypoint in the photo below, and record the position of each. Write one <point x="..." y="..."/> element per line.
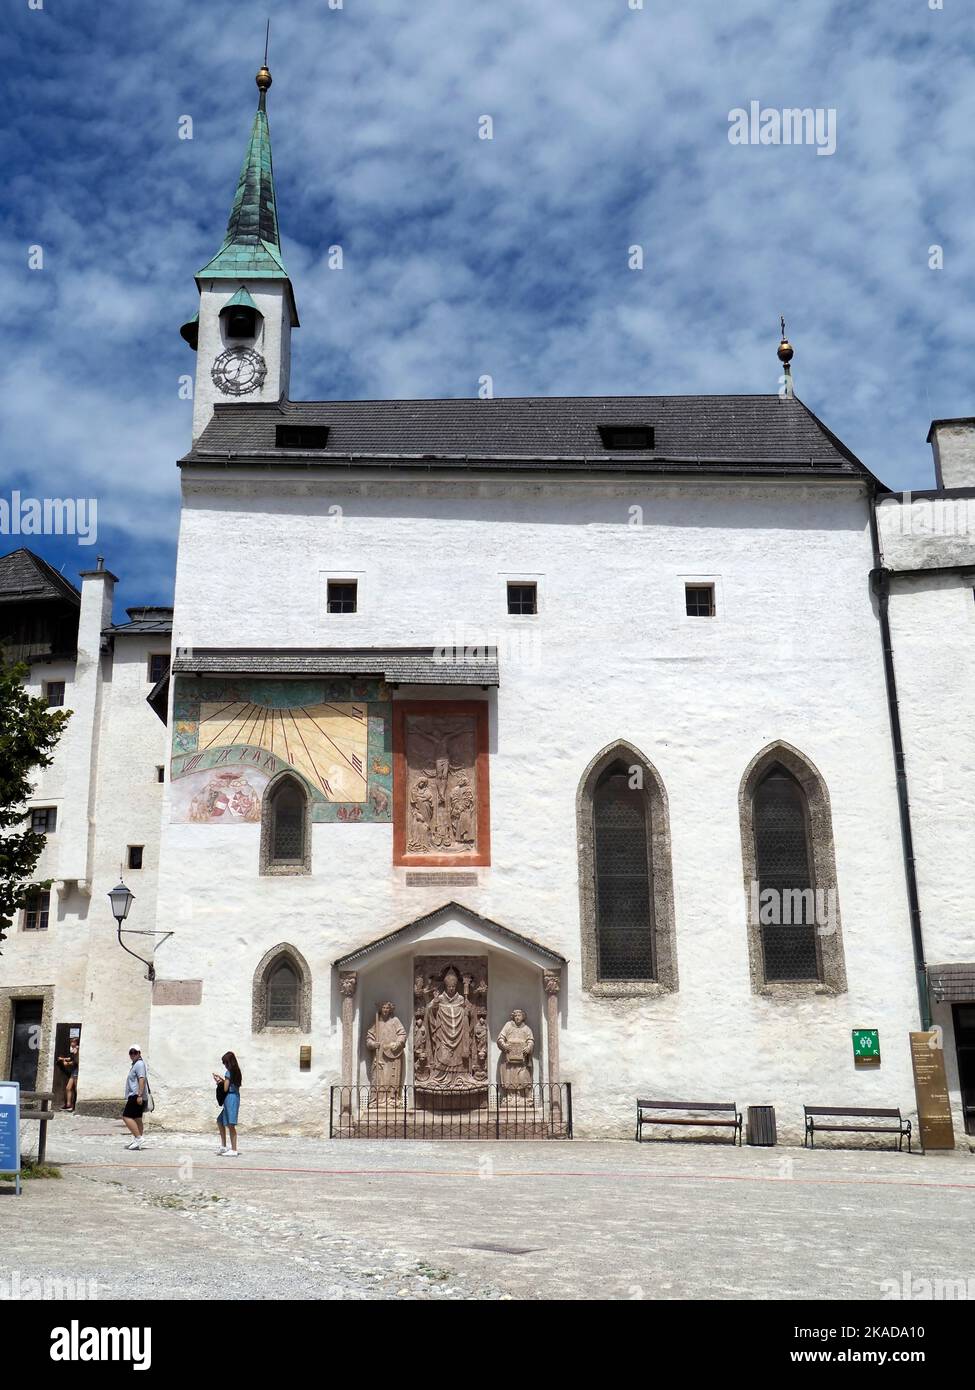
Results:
<point x="786" y="350"/>
<point x="263" y="78"/>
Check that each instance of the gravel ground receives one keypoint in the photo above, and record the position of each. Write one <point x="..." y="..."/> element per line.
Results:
<point x="305" y="1218"/>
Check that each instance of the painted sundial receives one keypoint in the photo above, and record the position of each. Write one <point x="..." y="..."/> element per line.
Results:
<point x="231" y="738"/>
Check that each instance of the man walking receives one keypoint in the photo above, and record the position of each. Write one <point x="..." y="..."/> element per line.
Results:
<point x="136" y="1096"/>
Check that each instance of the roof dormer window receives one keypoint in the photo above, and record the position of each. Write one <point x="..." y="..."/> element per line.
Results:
<point x="300" y="436"/>
<point x="626" y="436"/>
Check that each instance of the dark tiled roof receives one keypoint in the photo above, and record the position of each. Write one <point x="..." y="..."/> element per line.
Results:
<point x="160" y="625"/>
<point x="25" y="576"/>
<point x="397" y="665"/>
<point x="147" y="618"/>
<point x="158" y="698"/>
<point x="754" y="434"/>
<point x="952" y="984"/>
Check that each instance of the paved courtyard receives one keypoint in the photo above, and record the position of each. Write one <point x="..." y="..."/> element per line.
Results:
<point x="306" y="1218"/>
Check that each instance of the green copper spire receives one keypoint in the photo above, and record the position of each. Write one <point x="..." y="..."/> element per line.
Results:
<point x="252" y="246"/>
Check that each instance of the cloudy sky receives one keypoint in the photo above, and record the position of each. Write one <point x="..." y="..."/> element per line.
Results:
<point x="464" y="256"/>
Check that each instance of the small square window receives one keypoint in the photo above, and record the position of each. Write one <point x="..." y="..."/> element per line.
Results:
<point x="523" y="598"/>
<point x="135" y="856"/>
<point x="158" y="667"/>
<point x="700" y="600"/>
<point x="37" y="909"/>
<point x="160" y="774"/>
<point x="54" y="693"/>
<point x="342" y="595"/>
<point x="44" y="819"/>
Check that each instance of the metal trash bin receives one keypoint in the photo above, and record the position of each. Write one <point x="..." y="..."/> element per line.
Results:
<point x="761" y="1126"/>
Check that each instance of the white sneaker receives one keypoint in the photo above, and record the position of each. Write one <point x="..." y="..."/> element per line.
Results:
<point x="223" y="1151"/>
<point x="138" y="1144"/>
<point x="232" y="1153"/>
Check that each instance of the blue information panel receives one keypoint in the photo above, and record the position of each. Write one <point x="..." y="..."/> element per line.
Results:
<point x="10" y="1129"/>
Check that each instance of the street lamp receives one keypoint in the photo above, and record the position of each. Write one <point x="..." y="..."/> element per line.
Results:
<point x="121" y="899"/>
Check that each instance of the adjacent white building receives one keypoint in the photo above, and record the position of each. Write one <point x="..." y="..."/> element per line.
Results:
<point x="927" y="554"/>
<point x="98" y="804"/>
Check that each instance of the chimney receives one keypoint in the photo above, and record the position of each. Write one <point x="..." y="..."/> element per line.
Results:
<point x="953" y="445"/>
<point x="76" y="836"/>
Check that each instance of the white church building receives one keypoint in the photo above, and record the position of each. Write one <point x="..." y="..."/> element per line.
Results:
<point x="578" y="707"/>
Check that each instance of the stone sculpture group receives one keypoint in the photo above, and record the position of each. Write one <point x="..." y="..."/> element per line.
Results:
<point x="450" y="1042"/>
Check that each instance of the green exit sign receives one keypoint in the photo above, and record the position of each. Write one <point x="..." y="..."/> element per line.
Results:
<point x="866" y="1045"/>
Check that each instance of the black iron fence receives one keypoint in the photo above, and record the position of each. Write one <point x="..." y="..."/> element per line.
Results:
<point x="365" y="1112"/>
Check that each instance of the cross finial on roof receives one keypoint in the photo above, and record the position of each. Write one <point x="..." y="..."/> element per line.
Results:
<point x="263" y="78"/>
<point x="785" y="355"/>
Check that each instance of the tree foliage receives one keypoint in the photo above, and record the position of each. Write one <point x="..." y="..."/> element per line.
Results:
<point x="29" y="732"/>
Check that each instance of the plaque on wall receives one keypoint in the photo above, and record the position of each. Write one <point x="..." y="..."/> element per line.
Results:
<point x="440" y="792"/>
<point x="931" y="1090"/>
<point x="441" y="879"/>
<point x="177" y="992"/>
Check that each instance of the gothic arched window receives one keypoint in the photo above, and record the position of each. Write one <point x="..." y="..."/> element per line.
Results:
<point x="285" y="828"/>
<point x="282" y="995"/>
<point x="795" y="941"/>
<point x="786" y="891"/>
<point x="624" y="900"/>
<point x="282" y="991"/>
<point x="626" y="890"/>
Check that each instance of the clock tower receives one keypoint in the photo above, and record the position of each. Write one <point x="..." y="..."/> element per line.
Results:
<point x="242" y="333"/>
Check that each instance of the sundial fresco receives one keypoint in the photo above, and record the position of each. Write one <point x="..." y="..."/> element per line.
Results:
<point x="231" y="737"/>
<point x="326" y="743"/>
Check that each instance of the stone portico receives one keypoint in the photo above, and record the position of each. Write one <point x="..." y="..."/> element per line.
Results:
<point x="499" y="972"/>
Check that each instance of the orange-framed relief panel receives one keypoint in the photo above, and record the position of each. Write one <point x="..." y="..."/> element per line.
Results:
<point x="441" y="798"/>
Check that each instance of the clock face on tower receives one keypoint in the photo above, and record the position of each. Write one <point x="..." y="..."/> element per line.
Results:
<point x="238" y="371"/>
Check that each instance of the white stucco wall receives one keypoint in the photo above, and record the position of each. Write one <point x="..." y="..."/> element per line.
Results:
<point x="128" y="810"/>
<point x="794" y="654"/>
<point x="103" y="783"/>
<point x="932" y="621"/>
<point x="273" y="342"/>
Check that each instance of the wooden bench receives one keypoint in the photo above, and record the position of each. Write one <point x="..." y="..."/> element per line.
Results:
<point x="901" y="1127"/>
<point x="708" y="1112"/>
<point x="38" y="1105"/>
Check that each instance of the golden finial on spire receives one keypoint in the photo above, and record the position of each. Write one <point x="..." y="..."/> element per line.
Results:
<point x="786" y="350"/>
<point x="263" y="78"/>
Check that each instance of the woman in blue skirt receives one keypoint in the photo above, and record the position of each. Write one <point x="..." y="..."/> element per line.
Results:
<point x="227" y="1118"/>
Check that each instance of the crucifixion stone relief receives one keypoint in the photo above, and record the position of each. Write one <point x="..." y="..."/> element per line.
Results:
<point x="442" y="784"/>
